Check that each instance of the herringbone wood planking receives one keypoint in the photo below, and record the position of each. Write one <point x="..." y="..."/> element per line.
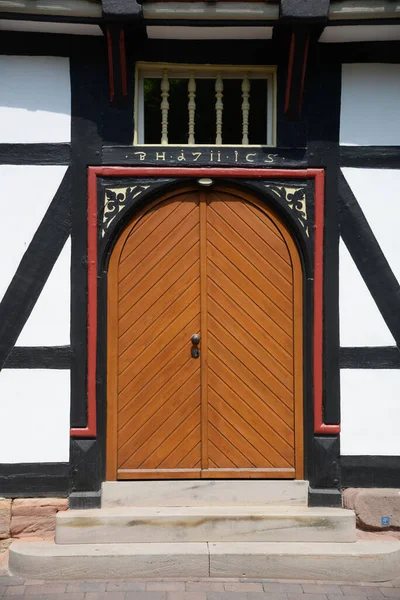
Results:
<point x="219" y="264"/>
<point x="158" y="311"/>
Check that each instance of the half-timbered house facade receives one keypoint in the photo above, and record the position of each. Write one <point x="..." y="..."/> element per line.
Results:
<point x="200" y="258"/>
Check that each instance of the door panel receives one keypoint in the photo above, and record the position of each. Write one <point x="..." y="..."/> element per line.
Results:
<point x="158" y="309"/>
<point x="218" y="263"/>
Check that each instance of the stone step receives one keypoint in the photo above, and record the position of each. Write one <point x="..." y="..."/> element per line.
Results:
<point x="204" y="493"/>
<point x="361" y="561"/>
<point x="205" y="524"/>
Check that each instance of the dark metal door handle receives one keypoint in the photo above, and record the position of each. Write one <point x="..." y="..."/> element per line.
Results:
<point x="195" y="352"/>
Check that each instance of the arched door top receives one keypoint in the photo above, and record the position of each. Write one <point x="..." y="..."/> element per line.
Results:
<point x="222" y="265"/>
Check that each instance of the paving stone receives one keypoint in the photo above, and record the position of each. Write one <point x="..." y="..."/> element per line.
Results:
<point x="307" y="597"/>
<point x="14" y="590"/>
<point x="258" y="596"/>
<point x="44" y="590"/>
<point x="226" y="596"/>
<point x="347" y="597"/>
<point x="186" y="596"/>
<point x="393" y="592"/>
<point x="2" y="589"/>
<point x="205" y="586"/>
<point x="145" y="595"/>
<point x="126" y="586"/>
<point x="102" y="596"/>
<point x="165" y="586"/>
<point x="52" y="597"/>
<point x="243" y="587"/>
<point x="40" y="582"/>
<point x="283" y="588"/>
<point x="361" y="590"/>
<point x="86" y="586"/>
<point x="323" y="588"/>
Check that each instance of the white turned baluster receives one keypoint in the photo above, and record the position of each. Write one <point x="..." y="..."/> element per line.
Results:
<point x="245" y="110"/>
<point x="164" y="107"/>
<point x="192" y="107"/>
<point x="219" y="88"/>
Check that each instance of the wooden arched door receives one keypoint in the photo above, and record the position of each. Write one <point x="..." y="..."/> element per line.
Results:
<point x="220" y="264"/>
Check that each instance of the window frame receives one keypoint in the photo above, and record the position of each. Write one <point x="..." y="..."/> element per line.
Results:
<point x="175" y="70"/>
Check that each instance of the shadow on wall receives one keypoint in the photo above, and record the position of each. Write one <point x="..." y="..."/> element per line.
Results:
<point x="35" y="104"/>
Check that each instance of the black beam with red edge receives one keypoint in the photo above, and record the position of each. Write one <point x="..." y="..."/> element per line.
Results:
<point x="117" y="75"/>
<point x="300" y="23"/>
<point x="123" y="21"/>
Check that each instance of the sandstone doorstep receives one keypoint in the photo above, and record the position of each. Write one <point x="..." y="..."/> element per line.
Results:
<point x="153" y="524"/>
<point x="371" y="504"/>
<point x="5" y="518"/>
<point x="35" y="517"/>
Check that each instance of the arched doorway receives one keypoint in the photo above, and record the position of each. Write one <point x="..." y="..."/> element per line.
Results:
<point x="219" y="264"/>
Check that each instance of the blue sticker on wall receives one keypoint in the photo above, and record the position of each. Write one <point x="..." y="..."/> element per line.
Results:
<point x="385" y="521"/>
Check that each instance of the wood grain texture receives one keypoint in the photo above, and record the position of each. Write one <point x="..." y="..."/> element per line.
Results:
<point x="219" y="263"/>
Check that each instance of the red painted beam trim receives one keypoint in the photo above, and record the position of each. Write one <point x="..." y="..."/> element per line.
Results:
<point x="110" y="65"/>
<point x="122" y="61"/>
<point x="319" y="425"/>
<point x="317" y="174"/>
<point x="90" y="430"/>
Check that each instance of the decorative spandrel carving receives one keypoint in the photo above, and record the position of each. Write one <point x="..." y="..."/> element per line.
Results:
<point x="115" y="200"/>
<point x="295" y="198"/>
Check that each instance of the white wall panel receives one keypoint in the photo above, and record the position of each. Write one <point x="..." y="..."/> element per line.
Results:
<point x="377" y="192"/>
<point x="35" y="99"/>
<point x="361" y="323"/>
<point x="50" y="27"/>
<point x="370" y="409"/>
<point x="49" y="322"/>
<point x="34" y="415"/>
<point x="370" y="111"/>
<point x="26" y="193"/>
<point x="360" y="33"/>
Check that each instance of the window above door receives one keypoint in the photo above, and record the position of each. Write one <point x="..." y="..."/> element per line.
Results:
<point x="205" y="105"/>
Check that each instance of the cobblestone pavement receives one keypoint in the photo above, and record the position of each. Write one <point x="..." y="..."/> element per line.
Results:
<point x="15" y="588"/>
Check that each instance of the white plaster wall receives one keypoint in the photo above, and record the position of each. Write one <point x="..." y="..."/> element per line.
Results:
<point x="50" y="27"/>
<point x="370" y="406"/>
<point x="377" y="192"/>
<point x="28" y="191"/>
<point x="360" y="33"/>
<point x="49" y="321"/>
<point x="35" y="99"/>
<point x="361" y="323"/>
<point x="370" y="111"/>
<point x="34" y="415"/>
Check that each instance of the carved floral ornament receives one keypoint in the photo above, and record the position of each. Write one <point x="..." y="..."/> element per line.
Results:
<point x="295" y="197"/>
<point x="116" y="199"/>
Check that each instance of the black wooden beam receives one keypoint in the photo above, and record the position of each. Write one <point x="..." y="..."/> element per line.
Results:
<point x="301" y="22"/>
<point x="117" y="74"/>
<point x="35" y="154"/>
<point x="39" y="357"/>
<point x="310" y="11"/>
<point x="370" y="157"/>
<point x="369" y="258"/>
<point x="384" y="357"/>
<point x="123" y="21"/>
<point x="296" y="71"/>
